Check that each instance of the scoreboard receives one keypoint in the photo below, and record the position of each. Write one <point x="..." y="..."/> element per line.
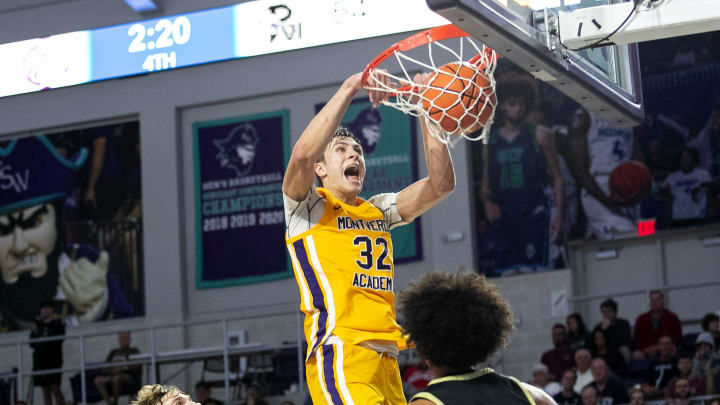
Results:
<point x="243" y="30"/>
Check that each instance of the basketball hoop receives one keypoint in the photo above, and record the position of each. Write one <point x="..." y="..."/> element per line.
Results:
<point x="459" y="99"/>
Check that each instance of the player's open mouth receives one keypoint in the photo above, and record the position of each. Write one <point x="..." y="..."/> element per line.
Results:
<point x="352" y="172"/>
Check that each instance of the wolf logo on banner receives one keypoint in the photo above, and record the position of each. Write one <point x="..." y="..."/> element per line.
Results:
<point x="237" y="151"/>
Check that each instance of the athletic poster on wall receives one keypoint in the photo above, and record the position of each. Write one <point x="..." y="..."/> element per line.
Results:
<point x="71" y="226"/>
<point x="388" y="138"/>
<point x="239" y="166"/>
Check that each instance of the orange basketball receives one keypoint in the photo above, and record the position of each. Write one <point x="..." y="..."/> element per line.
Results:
<point x="459" y="98"/>
<point x="631" y="181"/>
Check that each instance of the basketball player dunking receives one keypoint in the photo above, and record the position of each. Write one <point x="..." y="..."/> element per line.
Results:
<point x="343" y="257"/>
<point x="596" y="149"/>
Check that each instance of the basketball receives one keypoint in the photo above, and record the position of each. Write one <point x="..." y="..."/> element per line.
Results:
<point x="459" y="98"/>
<point x="630" y="181"/>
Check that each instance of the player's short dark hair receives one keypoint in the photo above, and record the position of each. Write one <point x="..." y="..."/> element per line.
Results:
<point x="559" y="326"/>
<point x="707" y="319"/>
<point x="656" y="292"/>
<point x="609" y="303"/>
<point x="341" y="132"/>
<point x="455" y="320"/>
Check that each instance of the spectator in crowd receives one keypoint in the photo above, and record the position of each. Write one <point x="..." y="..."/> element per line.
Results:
<point x="684" y="367"/>
<point x="710" y="324"/>
<point x="582" y="369"/>
<point x="589" y="395"/>
<point x="121" y="378"/>
<point x="253" y="395"/>
<point x="612" y="357"/>
<point x="617" y="330"/>
<point x="636" y="396"/>
<point x="203" y="392"/>
<point x="48" y="355"/>
<point x="689" y="201"/>
<point x="682" y="392"/>
<point x="662" y="368"/>
<point x="567" y="396"/>
<point x="610" y="390"/>
<point x="560" y="357"/>
<point x="578" y="335"/>
<point x="514" y="172"/>
<point x="596" y="148"/>
<point x="655" y="323"/>
<point x="704" y="354"/>
<point x="542" y="380"/>
<point x="415" y="378"/>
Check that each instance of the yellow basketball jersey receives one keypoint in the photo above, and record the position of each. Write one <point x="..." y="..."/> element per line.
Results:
<point x="344" y="269"/>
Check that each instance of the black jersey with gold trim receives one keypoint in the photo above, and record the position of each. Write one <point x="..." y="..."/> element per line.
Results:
<point x="481" y="387"/>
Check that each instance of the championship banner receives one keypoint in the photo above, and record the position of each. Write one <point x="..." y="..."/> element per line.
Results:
<point x="239" y="166"/>
<point x="388" y="138"/>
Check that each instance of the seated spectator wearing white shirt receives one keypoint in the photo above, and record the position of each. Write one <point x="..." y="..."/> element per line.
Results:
<point x="582" y="369"/>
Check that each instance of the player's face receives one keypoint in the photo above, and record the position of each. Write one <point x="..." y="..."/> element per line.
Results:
<point x="27" y="237"/>
<point x="343" y="170"/>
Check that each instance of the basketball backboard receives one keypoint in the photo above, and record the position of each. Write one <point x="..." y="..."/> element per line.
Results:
<point x="604" y="80"/>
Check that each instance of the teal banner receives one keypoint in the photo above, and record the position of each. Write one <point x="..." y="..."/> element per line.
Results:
<point x="388" y="138"/>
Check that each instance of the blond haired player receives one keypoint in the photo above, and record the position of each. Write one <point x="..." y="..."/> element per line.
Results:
<point x="157" y="394"/>
<point x="342" y="254"/>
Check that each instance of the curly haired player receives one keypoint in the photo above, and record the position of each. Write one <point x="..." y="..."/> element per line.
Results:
<point x="457" y="321"/>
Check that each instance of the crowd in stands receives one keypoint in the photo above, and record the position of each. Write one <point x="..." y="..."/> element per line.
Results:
<point x="619" y="363"/>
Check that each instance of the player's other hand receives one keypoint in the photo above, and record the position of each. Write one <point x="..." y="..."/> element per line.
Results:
<point x="420" y="84"/>
<point x="492" y="211"/>
<point x="379" y="87"/>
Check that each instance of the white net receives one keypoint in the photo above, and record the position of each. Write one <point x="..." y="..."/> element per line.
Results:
<point x="458" y="101"/>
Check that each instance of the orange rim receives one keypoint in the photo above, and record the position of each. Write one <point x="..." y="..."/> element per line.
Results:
<point x="422" y="38"/>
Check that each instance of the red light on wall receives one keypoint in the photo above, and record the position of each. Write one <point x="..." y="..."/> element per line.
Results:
<point x="646" y="228"/>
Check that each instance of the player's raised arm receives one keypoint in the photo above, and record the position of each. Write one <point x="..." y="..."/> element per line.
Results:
<point x="311" y="145"/>
<point x="422" y="195"/>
